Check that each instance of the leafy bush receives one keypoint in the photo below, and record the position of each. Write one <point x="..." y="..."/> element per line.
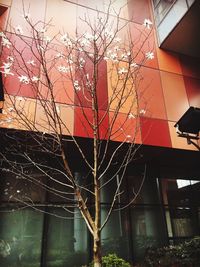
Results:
<point x="112" y="260"/>
<point x="185" y="254"/>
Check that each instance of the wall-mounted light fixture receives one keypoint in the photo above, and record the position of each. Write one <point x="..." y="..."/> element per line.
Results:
<point x="188" y="125"/>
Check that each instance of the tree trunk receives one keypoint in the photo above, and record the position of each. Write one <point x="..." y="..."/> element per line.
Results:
<point x="97" y="250"/>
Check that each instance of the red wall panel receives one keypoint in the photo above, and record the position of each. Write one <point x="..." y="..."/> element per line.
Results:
<point x="82" y="125"/>
<point x="83" y="97"/>
<point x="144" y="41"/>
<point x="155" y="132"/>
<point x="151" y="95"/>
<point x="21" y="55"/>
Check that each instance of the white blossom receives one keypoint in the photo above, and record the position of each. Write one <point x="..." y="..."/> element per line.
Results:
<point x="84" y="42"/>
<point x="114" y="57"/>
<point x="63" y="69"/>
<point x="58" y="109"/>
<point x="106" y="58"/>
<point x="149" y="55"/>
<point x="6" y="68"/>
<point x="116" y="48"/>
<point x="5" y="42"/>
<point x="2" y="35"/>
<point x="117" y="40"/>
<point x="6" y="65"/>
<point x="142" y="111"/>
<point x="31" y="62"/>
<point x="42" y="30"/>
<point x="19" y="30"/>
<point x="41" y="48"/>
<point x="109" y="52"/>
<point x="89" y="36"/>
<point x="124" y="56"/>
<point x="66" y="40"/>
<point x="70" y="61"/>
<point x="76" y="86"/>
<point x="122" y="70"/>
<point x="11" y="109"/>
<point x="81" y="62"/>
<point x="147" y="23"/>
<point x="9" y="120"/>
<point x="134" y="65"/>
<point x="19" y="98"/>
<point x="26" y="16"/>
<point x="10" y="59"/>
<point x="59" y="55"/>
<point x="108" y="34"/>
<point x="24" y="79"/>
<point x="34" y="79"/>
<point x="47" y="39"/>
<point x="131" y="116"/>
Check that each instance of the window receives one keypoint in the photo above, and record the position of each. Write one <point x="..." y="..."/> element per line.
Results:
<point x="181" y="200"/>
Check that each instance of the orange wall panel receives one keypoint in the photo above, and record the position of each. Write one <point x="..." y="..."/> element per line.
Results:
<point x="168" y="61"/>
<point x="67" y="119"/>
<point x="43" y="122"/>
<point x="10" y="118"/>
<point x="175" y="96"/>
<point x="117" y="90"/>
<point x="124" y="128"/>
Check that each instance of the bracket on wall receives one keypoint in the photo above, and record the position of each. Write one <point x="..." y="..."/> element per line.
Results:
<point x="188" y="126"/>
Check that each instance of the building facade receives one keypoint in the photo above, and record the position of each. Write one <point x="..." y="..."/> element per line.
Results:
<point x="167" y="210"/>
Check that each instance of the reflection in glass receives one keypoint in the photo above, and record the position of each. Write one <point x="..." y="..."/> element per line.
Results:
<point x="147" y="228"/>
<point x="20" y="238"/>
<point x="67" y="238"/>
<point x="181" y="198"/>
<point x="116" y="234"/>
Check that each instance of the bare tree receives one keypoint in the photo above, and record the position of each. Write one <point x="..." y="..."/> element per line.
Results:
<point x="63" y="75"/>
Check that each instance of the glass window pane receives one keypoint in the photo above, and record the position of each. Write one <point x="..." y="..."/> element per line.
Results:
<point x="148" y="230"/>
<point x="181" y="221"/>
<point x="16" y="188"/>
<point x="116" y="234"/>
<point x="148" y="193"/>
<point x="180" y="192"/>
<point x="182" y="201"/>
<point x="20" y="238"/>
<point x="67" y="239"/>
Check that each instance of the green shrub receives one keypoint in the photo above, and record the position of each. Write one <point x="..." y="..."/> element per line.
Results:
<point x="184" y="254"/>
<point x="112" y="260"/>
